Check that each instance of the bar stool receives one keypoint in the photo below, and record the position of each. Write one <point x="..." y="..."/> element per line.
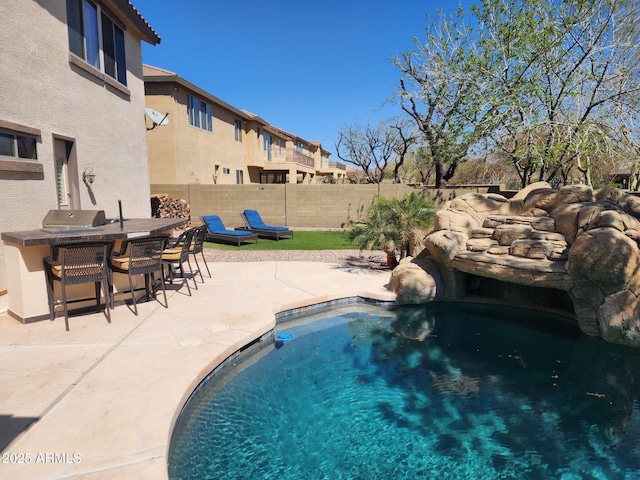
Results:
<point x="177" y="254"/>
<point x="144" y="258"/>
<point x="197" y="247"/>
<point x="74" y="264"/>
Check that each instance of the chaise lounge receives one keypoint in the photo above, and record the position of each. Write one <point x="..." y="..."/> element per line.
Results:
<point x="217" y="232"/>
<point x="256" y="225"/>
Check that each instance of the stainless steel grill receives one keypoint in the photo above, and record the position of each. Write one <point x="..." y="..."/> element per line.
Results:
<point x="58" y="221"/>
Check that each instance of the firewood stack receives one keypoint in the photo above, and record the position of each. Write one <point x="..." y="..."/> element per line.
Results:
<point x="164" y="206"/>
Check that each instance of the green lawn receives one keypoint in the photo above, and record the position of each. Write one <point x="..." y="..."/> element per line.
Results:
<point x="302" y="240"/>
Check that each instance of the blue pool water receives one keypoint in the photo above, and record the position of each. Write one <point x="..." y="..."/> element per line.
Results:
<point x="436" y="391"/>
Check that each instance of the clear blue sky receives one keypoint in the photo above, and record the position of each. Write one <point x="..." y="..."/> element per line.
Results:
<point x="306" y="67"/>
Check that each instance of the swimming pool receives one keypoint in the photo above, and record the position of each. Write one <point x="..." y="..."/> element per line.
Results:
<point x="462" y="392"/>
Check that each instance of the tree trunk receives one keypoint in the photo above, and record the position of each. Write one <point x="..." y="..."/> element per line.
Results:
<point x="438" y="175"/>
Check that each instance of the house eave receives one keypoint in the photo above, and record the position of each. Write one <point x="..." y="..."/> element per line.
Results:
<point x="130" y="15"/>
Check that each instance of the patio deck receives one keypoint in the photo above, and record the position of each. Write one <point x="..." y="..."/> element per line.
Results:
<point x="102" y="398"/>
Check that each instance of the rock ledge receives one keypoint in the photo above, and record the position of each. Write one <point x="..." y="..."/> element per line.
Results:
<point x="573" y="239"/>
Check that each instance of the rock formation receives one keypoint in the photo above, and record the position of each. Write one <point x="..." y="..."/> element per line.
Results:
<point x="572" y="250"/>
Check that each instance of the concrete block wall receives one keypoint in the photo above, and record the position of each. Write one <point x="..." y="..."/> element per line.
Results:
<point x="297" y="206"/>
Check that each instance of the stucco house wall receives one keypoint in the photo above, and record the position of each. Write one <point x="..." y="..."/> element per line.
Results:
<point x="181" y="153"/>
<point x="45" y="88"/>
<point x="161" y="140"/>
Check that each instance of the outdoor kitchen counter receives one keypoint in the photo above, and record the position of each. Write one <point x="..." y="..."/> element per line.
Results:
<point x="24" y="251"/>
<point x="133" y="227"/>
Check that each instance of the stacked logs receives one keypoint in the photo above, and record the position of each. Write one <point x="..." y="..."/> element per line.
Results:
<point x="164" y="206"/>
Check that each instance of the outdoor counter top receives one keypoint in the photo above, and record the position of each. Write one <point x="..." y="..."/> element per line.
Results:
<point x="133" y="227"/>
<point x="24" y="251"/>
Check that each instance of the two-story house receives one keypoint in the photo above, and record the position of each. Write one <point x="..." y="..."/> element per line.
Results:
<point x="72" y="130"/>
<point x="209" y="141"/>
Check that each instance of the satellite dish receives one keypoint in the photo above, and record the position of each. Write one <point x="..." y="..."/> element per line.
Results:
<point x="157" y="118"/>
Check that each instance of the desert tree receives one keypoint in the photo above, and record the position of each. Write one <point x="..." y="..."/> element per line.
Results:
<point x="568" y="73"/>
<point x="418" y="166"/>
<point x="544" y="82"/>
<point x="378" y="150"/>
<point x="442" y="94"/>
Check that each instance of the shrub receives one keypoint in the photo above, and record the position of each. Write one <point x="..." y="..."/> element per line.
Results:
<point x="389" y="222"/>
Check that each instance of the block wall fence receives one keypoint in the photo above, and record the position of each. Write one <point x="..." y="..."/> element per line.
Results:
<point x="297" y="206"/>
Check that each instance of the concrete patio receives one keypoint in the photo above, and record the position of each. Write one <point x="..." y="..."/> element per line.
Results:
<point x="101" y="399"/>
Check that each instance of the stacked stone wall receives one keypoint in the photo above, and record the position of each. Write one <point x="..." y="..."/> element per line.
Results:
<point x="573" y="239"/>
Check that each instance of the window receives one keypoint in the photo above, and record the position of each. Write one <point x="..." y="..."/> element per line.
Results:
<point x="239" y="177"/>
<point x="205" y="116"/>
<point x="17" y="145"/>
<point x="199" y="113"/>
<point x="83" y="18"/>
<point x="226" y="171"/>
<point x="238" y="130"/>
<point x="113" y="45"/>
<point x="62" y="182"/>
<point x="266" y="144"/>
<point x="193" y="109"/>
<point x="299" y="147"/>
<point x="280" y="146"/>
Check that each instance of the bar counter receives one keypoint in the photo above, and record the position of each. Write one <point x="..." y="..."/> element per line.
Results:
<point x="24" y="251"/>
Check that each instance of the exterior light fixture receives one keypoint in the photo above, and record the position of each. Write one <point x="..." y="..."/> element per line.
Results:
<point x="88" y="176"/>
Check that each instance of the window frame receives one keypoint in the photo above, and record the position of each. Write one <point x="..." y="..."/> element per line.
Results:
<point x="91" y="28"/>
<point x="15" y="163"/>
<point x="267" y="142"/>
<point x="61" y="172"/>
<point x="115" y="58"/>
<point x="237" y="125"/>
<point x="206" y="116"/>
<point x="193" y="111"/>
<point x="199" y="113"/>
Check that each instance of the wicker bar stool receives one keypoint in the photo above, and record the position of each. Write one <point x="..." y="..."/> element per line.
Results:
<point x="177" y="254"/>
<point x="77" y="263"/>
<point x="144" y="258"/>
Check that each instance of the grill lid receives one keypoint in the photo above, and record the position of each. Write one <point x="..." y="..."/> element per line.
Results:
<point x="73" y="218"/>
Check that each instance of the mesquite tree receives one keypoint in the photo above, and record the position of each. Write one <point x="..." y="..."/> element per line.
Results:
<point x="442" y="93"/>
<point x="552" y="85"/>
<point x="375" y="148"/>
<point x="570" y="69"/>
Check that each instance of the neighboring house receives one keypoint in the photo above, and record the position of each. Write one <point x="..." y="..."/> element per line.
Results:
<point x="330" y="171"/>
<point x="209" y="141"/>
<point x="71" y="104"/>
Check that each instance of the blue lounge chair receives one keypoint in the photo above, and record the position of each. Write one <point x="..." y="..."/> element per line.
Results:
<point x="217" y="232"/>
<point x="257" y="226"/>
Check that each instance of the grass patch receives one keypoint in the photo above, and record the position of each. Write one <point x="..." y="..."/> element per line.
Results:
<point x="302" y="240"/>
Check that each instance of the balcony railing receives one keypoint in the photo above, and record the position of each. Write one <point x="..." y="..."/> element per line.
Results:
<point x="327" y="164"/>
<point x="338" y="165"/>
<point x="301" y="159"/>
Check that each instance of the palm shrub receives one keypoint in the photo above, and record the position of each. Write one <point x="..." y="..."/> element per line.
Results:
<point x="389" y="222"/>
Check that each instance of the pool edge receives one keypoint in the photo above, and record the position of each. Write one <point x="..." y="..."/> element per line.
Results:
<point x="286" y="311"/>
